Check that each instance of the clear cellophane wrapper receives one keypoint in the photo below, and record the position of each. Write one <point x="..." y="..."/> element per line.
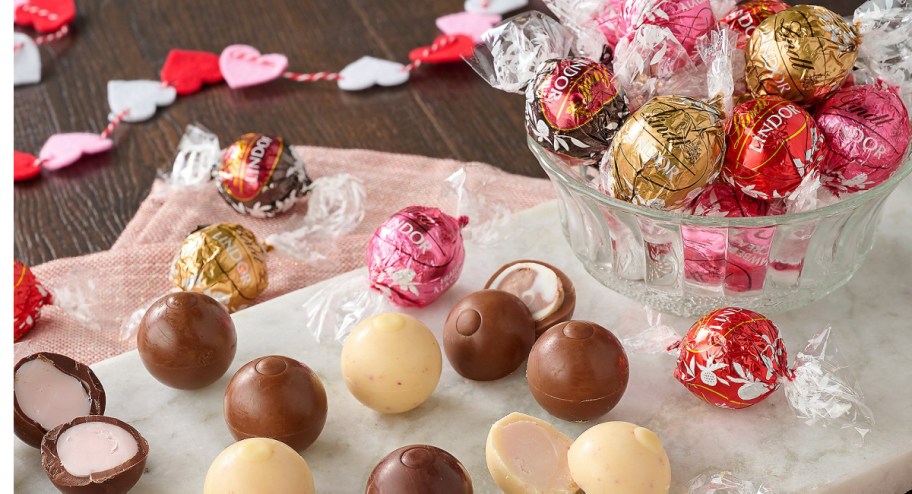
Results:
<point x="487" y="217"/>
<point x="339" y="304"/>
<point x="725" y="483"/>
<point x="198" y="152"/>
<point x="336" y="206"/>
<point x="651" y="62"/>
<point x="594" y="23"/>
<point x="886" y="45"/>
<point x="822" y="391"/>
<point x="510" y="53"/>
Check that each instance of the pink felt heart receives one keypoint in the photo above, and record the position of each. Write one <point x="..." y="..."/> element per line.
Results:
<point x="467" y="23"/>
<point x="45" y="15"/>
<point x="61" y="150"/>
<point x="243" y="66"/>
<point x="188" y="70"/>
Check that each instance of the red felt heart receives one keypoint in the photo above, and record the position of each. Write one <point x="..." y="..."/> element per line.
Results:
<point x="25" y="166"/>
<point x="187" y="70"/>
<point x="449" y="48"/>
<point x="46" y="16"/>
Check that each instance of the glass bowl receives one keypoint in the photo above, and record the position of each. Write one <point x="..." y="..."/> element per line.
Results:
<point x="689" y="265"/>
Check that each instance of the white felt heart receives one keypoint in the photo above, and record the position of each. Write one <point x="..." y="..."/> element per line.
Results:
<point x="26" y="60"/>
<point x="494" y="6"/>
<point x="140" y="98"/>
<point x="368" y="71"/>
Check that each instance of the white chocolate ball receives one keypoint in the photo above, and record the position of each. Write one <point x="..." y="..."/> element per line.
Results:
<point x="619" y="457"/>
<point x="527" y="455"/>
<point x="260" y="465"/>
<point x="391" y="362"/>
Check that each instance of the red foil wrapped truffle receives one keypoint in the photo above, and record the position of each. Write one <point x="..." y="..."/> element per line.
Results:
<point x="746" y="16"/>
<point x="574" y="108"/>
<point x="771" y="145"/>
<point x="29" y="296"/>
<point x="732" y="358"/>
<point x="416" y="255"/>
<point x="867" y="130"/>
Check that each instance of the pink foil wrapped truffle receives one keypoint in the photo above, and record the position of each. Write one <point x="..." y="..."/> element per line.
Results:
<point x="686" y="19"/>
<point x="416" y="255"/>
<point x="724" y="200"/>
<point x="868" y="131"/>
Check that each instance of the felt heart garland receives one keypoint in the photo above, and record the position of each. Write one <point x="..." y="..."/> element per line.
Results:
<point x="186" y="71"/>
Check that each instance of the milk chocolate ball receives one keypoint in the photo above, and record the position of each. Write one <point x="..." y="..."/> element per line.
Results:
<point x="577" y="371"/>
<point x="186" y="340"/>
<point x="488" y="334"/>
<point x="419" y="469"/>
<point x="276" y="397"/>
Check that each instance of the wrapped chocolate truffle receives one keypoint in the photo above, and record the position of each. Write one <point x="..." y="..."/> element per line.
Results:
<point x="734" y="358"/>
<point x="573" y="105"/>
<point x="665" y="153"/>
<point x="574" y="108"/>
<point x="802" y="54"/>
<point x="687" y="21"/>
<point x="260" y="175"/>
<point x="29" y="296"/>
<point x="772" y="144"/>
<point x="224" y="261"/>
<point x="746" y="16"/>
<point x="726" y="201"/>
<point x="867" y="131"/>
<point x="416" y="255"/>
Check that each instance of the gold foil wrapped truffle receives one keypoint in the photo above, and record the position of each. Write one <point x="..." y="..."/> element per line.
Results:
<point x="802" y="54"/>
<point x="224" y="261"/>
<point x="665" y="152"/>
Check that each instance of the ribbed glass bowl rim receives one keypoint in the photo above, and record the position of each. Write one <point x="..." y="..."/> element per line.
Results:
<point x="548" y="162"/>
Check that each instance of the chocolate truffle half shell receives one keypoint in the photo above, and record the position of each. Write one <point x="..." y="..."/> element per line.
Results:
<point x="546" y="291"/>
<point x="276" y="397"/>
<point x="419" y="469"/>
<point x="577" y="371"/>
<point x="50" y="389"/>
<point x="94" y="455"/>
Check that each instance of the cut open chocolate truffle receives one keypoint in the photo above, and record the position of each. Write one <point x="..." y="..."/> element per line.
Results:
<point x="546" y="291"/>
<point x="50" y="389"/>
<point x="94" y="455"/>
<point x="527" y="455"/>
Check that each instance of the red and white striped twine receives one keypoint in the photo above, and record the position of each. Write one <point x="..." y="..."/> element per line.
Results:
<point x="435" y="47"/>
<point x="47" y="38"/>
<point x="31" y="9"/>
<point x="316" y="76"/>
<point x="106" y="133"/>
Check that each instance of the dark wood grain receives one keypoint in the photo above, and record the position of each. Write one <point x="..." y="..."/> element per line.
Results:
<point x="444" y="111"/>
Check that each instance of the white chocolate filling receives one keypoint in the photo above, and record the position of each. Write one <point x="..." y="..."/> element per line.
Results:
<point x="526" y="455"/>
<point x="48" y="396"/>
<point x="536" y="285"/>
<point x="93" y="447"/>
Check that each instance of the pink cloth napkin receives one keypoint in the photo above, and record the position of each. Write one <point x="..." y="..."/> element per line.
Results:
<point x="102" y="290"/>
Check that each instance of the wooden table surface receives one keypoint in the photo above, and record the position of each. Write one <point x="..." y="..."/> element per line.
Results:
<point x="443" y="111"/>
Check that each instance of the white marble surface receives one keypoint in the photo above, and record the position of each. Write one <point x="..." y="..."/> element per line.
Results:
<point x="871" y="317"/>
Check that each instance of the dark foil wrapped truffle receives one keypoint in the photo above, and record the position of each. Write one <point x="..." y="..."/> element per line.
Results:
<point x="573" y="107"/>
<point x="261" y="176"/>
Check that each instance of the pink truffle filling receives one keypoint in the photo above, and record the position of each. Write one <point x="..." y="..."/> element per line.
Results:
<point x="48" y="396"/>
<point x="93" y="447"/>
